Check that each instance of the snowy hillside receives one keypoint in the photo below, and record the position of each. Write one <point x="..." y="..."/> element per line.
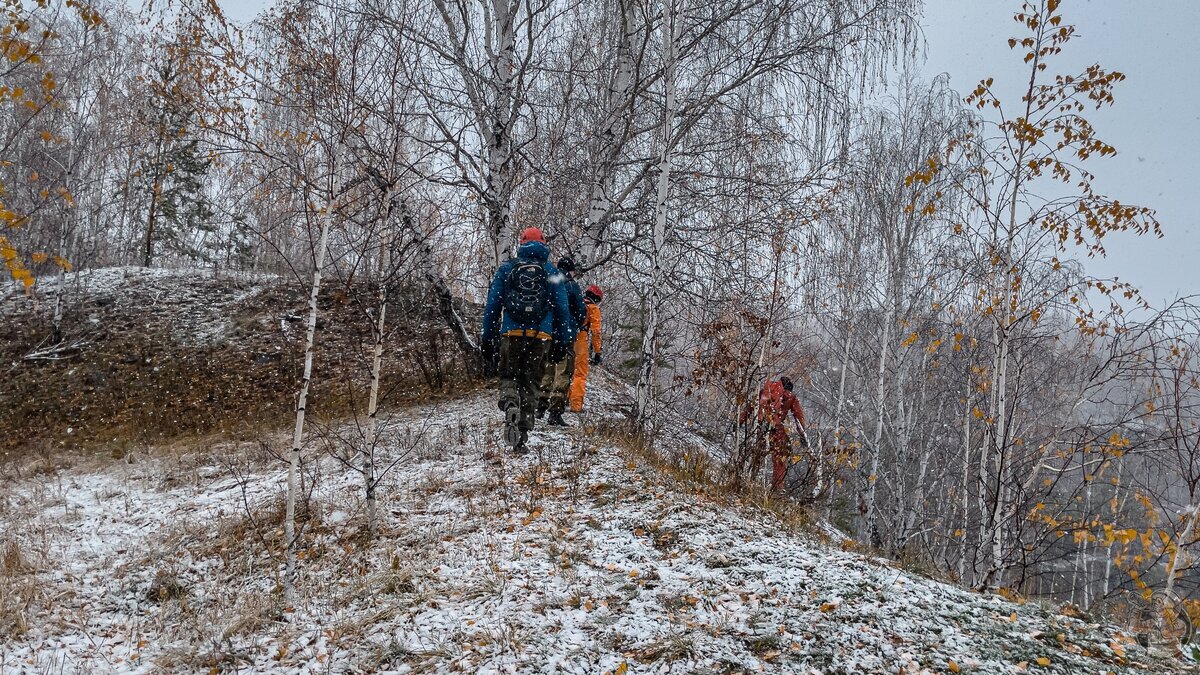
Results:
<point x="573" y="559"/>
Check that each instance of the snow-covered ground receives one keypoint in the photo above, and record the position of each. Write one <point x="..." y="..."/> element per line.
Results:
<point x="572" y="559"/>
<point x="200" y="316"/>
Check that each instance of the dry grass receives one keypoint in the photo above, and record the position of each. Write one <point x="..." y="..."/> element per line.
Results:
<point x="693" y="471"/>
<point x="165" y="587"/>
<point x="20" y="591"/>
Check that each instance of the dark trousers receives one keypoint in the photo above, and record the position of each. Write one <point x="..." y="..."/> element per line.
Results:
<point x="522" y="362"/>
<point x="556" y="382"/>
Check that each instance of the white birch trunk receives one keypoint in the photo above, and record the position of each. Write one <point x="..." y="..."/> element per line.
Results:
<point x="60" y="289"/>
<point x="369" y="478"/>
<point x="645" y="385"/>
<point x="499" y="179"/>
<point x="1002" y="464"/>
<point x="966" y="480"/>
<point x="980" y="563"/>
<point x="869" y="532"/>
<point x="1173" y="567"/>
<point x="493" y="115"/>
<point x="289" y="523"/>
<point x="600" y="203"/>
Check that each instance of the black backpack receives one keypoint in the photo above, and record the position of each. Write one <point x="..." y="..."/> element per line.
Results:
<point x="527" y="293"/>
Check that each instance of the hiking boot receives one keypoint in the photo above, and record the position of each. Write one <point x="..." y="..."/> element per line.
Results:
<point x="556" y="420"/>
<point x="543" y="406"/>
<point x="512" y="430"/>
<point x="522" y="446"/>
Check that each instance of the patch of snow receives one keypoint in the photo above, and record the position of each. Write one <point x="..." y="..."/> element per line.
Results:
<point x="198" y="302"/>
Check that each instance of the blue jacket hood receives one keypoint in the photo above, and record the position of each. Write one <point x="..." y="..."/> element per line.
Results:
<point x="533" y="250"/>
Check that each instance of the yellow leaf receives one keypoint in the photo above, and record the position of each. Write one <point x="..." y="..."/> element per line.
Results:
<point x="1043" y="661"/>
<point x="953" y="666"/>
<point x="909" y="340"/>
<point x="622" y="669"/>
<point x="828" y="606"/>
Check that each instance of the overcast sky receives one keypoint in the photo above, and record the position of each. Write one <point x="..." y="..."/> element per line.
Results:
<point x="1154" y="125"/>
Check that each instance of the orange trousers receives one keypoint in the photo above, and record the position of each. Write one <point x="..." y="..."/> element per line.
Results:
<point x="582" y="367"/>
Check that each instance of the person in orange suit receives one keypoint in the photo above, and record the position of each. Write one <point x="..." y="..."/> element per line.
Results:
<point x="775" y="402"/>
<point x="589" y="337"/>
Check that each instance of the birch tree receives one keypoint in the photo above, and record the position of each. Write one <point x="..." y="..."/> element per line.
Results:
<point x="1043" y="142"/>
<point x="478" y="96"/>
<point x="671" y="26"/>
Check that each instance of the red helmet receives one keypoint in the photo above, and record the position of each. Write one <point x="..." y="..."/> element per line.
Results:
<point x="532" y="234"/>
<point x="595" y="290"/>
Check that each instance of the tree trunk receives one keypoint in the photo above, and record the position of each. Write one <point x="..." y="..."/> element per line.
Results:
<point x="302" y="396"/>
<point x="869" y="532"/>
<point x="148" y="249"/>
<point x="966" y="480"/>
<point x="645" y="385"/>
<point x="65" y="227"/>
<point x="1173" y="567"/>
<point x="384" y="270"/>
<point x="839" y="441"/>
<point x="600" y="204"/>
<point x="499" y="179"/>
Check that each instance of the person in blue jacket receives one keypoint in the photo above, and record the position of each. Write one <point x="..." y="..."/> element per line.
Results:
<point x="526" y="322"/>
<point x="556" y="382"/>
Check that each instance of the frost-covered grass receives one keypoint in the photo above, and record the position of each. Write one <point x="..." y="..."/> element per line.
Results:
<point x="573" y="559"/>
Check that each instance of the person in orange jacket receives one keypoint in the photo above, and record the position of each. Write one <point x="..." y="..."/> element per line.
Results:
<point x="589" y="336"/>
<point x="775" y="402"/>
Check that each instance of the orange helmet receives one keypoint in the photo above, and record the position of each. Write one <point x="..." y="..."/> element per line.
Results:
<point x="532" y="234"/>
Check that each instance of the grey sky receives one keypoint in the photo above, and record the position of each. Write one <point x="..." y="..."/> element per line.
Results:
<point x="1155" y="123"/>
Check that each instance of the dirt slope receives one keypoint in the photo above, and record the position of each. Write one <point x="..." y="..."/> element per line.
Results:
<point x="168" y="354"/>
